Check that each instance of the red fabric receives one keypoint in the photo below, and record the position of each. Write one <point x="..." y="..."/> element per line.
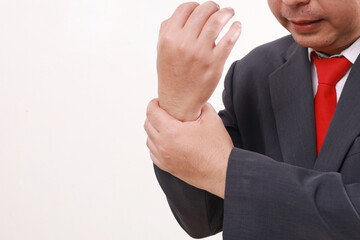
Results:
<point x="329" y="72"/>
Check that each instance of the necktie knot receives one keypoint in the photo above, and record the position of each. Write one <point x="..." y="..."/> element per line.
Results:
<point x="330" y="70"/>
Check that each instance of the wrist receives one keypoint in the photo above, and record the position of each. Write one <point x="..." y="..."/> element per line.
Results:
<point x="182" y="111"/>
<point x="220" y="185"/>
<point x="219" y="188"/>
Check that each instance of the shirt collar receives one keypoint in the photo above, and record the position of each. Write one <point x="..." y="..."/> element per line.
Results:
<point x="351" y="53"/>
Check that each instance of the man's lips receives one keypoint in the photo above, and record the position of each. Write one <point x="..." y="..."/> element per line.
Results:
<point x="305" y="25"/>
<point x="303" y="21"/>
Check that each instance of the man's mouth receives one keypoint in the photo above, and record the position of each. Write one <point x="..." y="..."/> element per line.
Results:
<point x="304" y="21"/>
<point x="305" y="25"/>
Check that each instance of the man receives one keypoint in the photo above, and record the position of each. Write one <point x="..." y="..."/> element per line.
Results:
<point x="290" y="168"/>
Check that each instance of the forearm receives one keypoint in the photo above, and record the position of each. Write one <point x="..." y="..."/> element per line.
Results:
<point x="198" y="212"/>
<point x="269" y="198"/>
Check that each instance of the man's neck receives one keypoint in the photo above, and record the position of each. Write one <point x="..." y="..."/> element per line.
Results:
<point x="351" y="52"/>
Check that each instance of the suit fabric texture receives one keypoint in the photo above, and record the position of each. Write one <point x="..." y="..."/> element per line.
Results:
<point x="276" y="186"/>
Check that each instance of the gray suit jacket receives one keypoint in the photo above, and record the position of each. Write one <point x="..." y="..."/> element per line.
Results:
<point x="276" y="187"/>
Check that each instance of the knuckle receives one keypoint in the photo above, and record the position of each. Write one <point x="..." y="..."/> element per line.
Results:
<point x="186" y="6"/>
<point x="191" y="4"/>
<point x="195" y="57"/>
<point x="164" y="41"/>
<point x="218" y="19"/>
<point x="182" y="6"/>
<point x="148" y="112"/>
<point x="170" y="43"/>
<point x="163" y="25"/>
<point x="149" y="109"/>
<point x="155" y="160"/>
<point x="163" y="151"/>
<point x="229" y="42"/>
<point x="215" y="21"/>
<point x="186" y="51"/>
<point x="211" y="32"/>
<point x="208" y="64"/>
<point x="193" y="53"/>
<point x="213" y="3"/>
<point x="182" y="48"/>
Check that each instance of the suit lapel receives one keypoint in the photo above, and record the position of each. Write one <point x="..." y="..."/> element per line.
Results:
<point x="293" y="103"/>
<point x="344" y="126"/>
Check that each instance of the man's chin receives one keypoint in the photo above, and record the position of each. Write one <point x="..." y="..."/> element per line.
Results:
<point x="318" y="43"/>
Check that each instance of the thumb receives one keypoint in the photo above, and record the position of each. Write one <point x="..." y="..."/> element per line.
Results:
<point x="157" y="116"/>
<point x="207" y="110"/>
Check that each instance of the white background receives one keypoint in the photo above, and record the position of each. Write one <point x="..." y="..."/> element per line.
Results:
<point x="75" y="79"/>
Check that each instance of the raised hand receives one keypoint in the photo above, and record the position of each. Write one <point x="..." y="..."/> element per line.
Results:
<point x="189" y="63"/>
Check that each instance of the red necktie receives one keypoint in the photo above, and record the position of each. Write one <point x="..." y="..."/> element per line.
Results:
<point x="329" y="72"/>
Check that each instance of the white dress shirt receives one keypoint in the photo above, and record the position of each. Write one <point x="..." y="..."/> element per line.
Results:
<point x="351" y="53"/>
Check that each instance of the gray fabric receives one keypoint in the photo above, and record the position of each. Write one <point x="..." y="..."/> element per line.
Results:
<point x="276" y="188"/>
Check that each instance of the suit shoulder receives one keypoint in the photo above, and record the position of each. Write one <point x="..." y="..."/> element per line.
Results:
<point x="275" y="48"/>
<point x="262" y="60"/>
<point x="254" y="69"/>
<point x="270" y="54"/>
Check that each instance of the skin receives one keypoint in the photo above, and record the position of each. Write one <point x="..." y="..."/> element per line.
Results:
<point x="332" y="25"/>
<point x="190" y="65"/>
<point x="172" y="150"/>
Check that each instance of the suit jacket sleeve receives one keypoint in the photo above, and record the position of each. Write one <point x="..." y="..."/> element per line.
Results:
<point x="199" y="212"/>
<point x="266" y="199"/>
<point x="271" y="199"/>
